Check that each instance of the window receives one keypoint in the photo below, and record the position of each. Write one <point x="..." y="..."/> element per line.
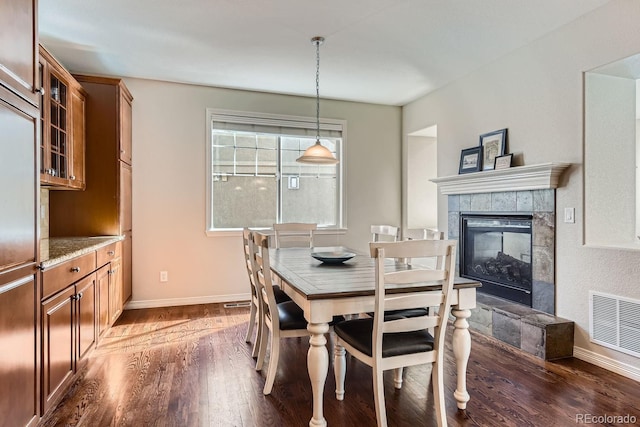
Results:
<point x="253" y="179"/>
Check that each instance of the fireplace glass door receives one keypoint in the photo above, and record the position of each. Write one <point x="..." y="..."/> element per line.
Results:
<point x="496" y="250"/>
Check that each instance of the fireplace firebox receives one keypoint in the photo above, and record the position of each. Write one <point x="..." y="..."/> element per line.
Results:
<point x="495" y="249"/>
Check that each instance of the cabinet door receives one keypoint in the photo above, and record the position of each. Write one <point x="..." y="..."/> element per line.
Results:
<point x="102" y="283"/>
<point x="62" y="136"/>
<point x="76" y="167"/>
<point x="58" y="130"/>
<point x="125" y="197"/>
<point x="115" y="290"/>
<point x="19" y="341"/>
<point x="57" y="344"/>
<point x="86" y="315"/>
<point x="18" y="189"/>
<point x="18" y="47"/>
<point x="126" y="136"/>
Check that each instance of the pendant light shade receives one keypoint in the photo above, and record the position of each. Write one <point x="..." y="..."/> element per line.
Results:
<point x="317" y="153"/>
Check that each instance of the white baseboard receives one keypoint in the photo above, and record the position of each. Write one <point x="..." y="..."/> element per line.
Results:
<point x="172" y="302"/>
<point x="605" y="362"/>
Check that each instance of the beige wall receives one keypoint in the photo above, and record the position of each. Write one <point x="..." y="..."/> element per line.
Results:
<point x="536" y="92"/>
<point x="169" y="185"/>
<point x="422" y="195"/>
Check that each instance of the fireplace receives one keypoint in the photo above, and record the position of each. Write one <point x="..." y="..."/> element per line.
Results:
<point x="496" y="249"/>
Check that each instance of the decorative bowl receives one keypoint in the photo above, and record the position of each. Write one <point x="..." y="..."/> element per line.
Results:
<point x="332" y="255"/>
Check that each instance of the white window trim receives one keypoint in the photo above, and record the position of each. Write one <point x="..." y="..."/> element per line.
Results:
<point x="292" y="121"/>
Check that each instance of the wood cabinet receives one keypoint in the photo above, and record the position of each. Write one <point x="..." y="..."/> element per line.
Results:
<point x="102" y="285"/>
<point x="109" y="283"/>
<point x="104" y="208"/>
<point x="19" y="48"/>
<point x="68" y="334"/>
<point x="19" y="290"/>
<point x="62" y="138"/>
<point x="20" y="343"/>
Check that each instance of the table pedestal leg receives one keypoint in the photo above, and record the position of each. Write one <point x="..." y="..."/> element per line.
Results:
<point x="318" y="365"/>
<point x="461" y="351"/>
<point x="339" y="369"/>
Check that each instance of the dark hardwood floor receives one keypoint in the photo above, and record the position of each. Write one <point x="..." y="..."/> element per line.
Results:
<point x="190" y="366"/>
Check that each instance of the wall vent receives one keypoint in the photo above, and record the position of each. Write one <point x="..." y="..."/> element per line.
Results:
<point x="237" y="304"/>
<point x="614" y="322"/>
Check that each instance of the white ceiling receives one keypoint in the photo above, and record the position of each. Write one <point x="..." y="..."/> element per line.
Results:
<point x="380" y="51"/>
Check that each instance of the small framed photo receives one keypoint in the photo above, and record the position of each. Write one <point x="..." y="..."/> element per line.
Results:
<point x="470" y="160"/>
<point x="493" y="145"/>
<point x="503" y="162"/>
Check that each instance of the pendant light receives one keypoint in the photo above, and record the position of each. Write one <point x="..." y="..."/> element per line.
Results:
<point x="317" y="153"/>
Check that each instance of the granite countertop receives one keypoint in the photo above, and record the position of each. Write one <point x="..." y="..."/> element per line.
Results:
<point x="59" y="249"/>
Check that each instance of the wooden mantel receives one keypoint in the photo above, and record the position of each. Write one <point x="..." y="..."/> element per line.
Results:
<point x="534" y="177"/>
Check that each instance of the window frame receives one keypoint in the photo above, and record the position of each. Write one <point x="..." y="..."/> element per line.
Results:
<point x="273" y="119"/>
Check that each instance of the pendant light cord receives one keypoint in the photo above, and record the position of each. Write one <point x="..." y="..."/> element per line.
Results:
<point x="318" y="42"/>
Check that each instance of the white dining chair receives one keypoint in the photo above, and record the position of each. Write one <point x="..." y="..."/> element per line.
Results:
<point x="383" y="232"/>
<point x="255" y="311"/>
<point x="294" y="234"/>
<point x="281" y="320"/>
<point x="406" y="341"/>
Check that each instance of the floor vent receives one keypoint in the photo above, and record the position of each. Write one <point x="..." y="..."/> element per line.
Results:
<point x="237" y="304"/>
<point x="614" y="322"/>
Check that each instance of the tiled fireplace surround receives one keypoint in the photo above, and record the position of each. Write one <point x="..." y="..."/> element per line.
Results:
<point x="541" y="205"/>
<point x="519" y="190"/>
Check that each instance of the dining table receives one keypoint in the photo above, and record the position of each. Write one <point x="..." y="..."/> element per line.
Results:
<point x="327" y="289"/>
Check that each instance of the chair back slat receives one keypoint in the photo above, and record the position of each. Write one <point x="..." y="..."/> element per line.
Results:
<point x="412" y="300"/>
<point x="415" y="276"/>
<point x="294" y="234"/>
<point x="432" y="247"/>
<point x="408" y="324"/>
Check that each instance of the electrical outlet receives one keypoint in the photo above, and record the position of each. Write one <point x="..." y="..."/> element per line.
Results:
<point x="164" y="276"/>
<point x="570" y="215"/>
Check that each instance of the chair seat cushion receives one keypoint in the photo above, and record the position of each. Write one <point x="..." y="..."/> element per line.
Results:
<point x="292" y="316"/>
<point x="358" y="333"/>
<point x="280" y="295"/>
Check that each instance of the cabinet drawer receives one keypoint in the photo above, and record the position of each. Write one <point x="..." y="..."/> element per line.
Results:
<point x="108" y="253"/>
<point x="66" y="273"/>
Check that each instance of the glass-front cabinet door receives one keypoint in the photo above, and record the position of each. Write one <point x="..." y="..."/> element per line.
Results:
<point x="61" y="125"/>
<point x="58" y="128"/>
<point x="54" y="130"/>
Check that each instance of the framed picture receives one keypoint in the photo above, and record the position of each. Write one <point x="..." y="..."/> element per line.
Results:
<point x="503" y="162"/>
<point x="493" y="145"/>
<point x="470" y="160"/>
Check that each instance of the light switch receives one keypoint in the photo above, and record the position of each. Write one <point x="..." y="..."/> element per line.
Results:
<point x="570" y="215"/>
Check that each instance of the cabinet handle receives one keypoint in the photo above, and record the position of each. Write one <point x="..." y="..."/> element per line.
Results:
<point x="40" y="91"/>
<point x="80" y="295"/>
<point x="111" y="253"/>
<point x="72" y="177"/>
<point x="75" y="269"/>
<point x="74" y="297"/>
